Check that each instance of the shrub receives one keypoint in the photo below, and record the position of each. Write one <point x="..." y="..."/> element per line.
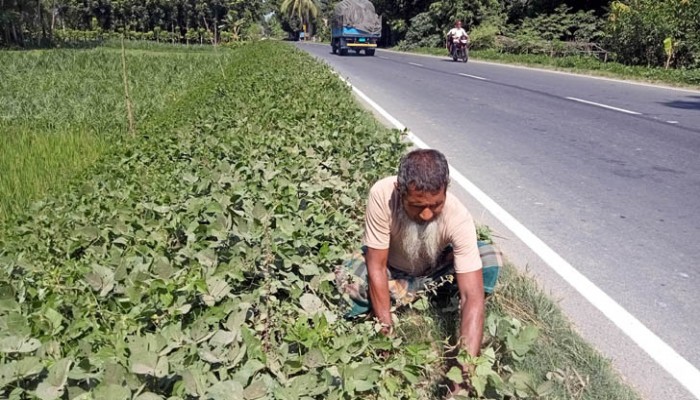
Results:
<point x="484" y="36"/>
<point x="422" y="32"/>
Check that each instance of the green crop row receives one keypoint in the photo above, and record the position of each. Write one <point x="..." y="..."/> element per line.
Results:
<point x="198" y="263"/>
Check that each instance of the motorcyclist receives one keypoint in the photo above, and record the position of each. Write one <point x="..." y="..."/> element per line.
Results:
<point x="456" y="33"/>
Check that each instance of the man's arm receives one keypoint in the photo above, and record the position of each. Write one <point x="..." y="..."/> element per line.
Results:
<point x="471" y="294"/>
<point x="448" y="39"/>
<point x="379" y="284"/>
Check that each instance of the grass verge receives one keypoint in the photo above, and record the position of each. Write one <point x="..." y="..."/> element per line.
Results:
<point x="569" y="367"/>
<point x="61" y="110"/>
<point x="686" y="78"/>
<point x="195" y="260"/>
<point x="559" y="364"/>
<point x="569" y="360"/>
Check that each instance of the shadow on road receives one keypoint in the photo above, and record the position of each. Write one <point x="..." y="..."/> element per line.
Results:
<point x="353" y="54"/>
<point x="692" y="103"/>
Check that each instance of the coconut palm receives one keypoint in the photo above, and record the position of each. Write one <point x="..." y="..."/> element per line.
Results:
<point x="302" y="9"/>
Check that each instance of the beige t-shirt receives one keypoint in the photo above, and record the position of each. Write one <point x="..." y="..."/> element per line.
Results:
<point x="381" y="227"/>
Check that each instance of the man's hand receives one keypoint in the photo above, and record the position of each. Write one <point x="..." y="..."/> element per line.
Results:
<point x="466" y="365"/>
<point x="387" y="330"/>
<point x="379" y="296"/>
<point x="465" y="386"/>
<point x="471" y="294"/>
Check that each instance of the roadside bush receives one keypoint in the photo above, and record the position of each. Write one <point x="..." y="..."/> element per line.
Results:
<point x="323" y="32"/>
<point x="422" y="32"/>
<point x="484" y="36"/>
<point x="655" y="33"/>
<point x="563" y="25"/>
<point x="526" y="41"/>
<point x="274" y="29"/>
<point x="254" y="32"/>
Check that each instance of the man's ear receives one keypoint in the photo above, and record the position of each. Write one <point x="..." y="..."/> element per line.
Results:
<point x="398" y="191"/>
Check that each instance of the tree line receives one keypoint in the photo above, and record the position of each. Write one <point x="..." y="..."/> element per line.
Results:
<point x="641" y="32"/>
<point x="638" y="32"/>
<point x="31" y="22"/>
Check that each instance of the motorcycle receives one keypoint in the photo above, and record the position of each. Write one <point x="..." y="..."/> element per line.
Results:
<point x="460" y="49"/>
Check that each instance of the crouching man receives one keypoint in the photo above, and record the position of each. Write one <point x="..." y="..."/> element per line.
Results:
<point x="416" y="236"/>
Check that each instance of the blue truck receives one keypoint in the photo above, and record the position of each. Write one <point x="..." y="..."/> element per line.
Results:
<point x="355" y="26"/>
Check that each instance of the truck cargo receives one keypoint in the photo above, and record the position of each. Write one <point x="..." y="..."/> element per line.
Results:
<point x="355" y="25"/>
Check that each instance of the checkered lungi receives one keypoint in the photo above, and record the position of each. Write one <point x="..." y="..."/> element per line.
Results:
<point x="351" y="279"/>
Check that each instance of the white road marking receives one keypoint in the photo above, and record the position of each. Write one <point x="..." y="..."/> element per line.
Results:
<point x="473" y="76"/>
<point x="416" y="64"/>
<point x="604" y="106"/>
<point x="672" y="122"/>
<point x="677" y="366"/>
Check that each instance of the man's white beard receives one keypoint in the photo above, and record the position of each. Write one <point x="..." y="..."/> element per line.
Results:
<point x="421" y="242"/>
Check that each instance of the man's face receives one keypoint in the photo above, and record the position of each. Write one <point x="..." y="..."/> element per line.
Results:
<point x="423" y="207"/>
<point x="458" y="25"/>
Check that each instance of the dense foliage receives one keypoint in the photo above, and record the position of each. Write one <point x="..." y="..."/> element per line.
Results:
<point x="646" y="32"/>
<point x="641" y="32"/>
<point x="26" y="22"/>
<point x="649" y="32"/>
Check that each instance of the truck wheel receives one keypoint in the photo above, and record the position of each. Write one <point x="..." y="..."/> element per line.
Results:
<point x="369" y="52"/>
<point x="334" y="49"/>
<point x="343" y="52"/>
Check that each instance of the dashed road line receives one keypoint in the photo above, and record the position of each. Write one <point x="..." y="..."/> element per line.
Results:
<point x="474" y="77"/>
<point x="593" y="103"/>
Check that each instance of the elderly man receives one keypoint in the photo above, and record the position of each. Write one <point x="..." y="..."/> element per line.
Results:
<point x="417" y="235"/>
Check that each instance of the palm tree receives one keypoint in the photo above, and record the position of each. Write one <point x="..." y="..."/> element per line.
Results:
<point x="302" y="9"/>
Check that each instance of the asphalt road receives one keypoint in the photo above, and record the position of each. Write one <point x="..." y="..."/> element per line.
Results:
<point x="607" y="173"/>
